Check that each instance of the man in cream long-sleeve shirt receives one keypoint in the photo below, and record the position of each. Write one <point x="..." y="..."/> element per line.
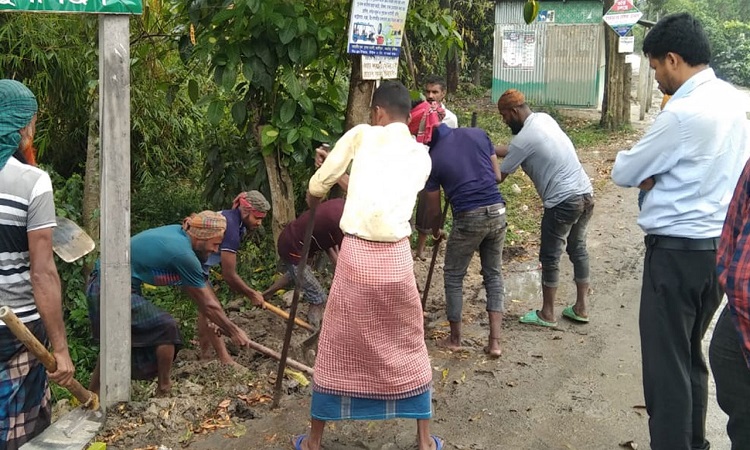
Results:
<point x="372" y="361"/>
<point x="689" y="161"/>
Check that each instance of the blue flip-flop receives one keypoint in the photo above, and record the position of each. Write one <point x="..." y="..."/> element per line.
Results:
<point x="297" y="441"/>
<point x="439" y="442"/>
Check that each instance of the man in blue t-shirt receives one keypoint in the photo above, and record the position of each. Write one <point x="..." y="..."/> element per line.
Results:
<point x="465" y="165"/>
<point x="247" y="213"/>
<point x="171" y="255"/>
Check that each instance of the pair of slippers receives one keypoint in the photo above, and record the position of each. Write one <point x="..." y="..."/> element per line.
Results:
<point x="532" y="318"/>
<point x="297" y="441"/>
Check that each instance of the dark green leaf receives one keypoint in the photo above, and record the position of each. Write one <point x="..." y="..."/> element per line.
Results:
<point x="229" y="77"/>
<point x="293" y="86"/>
<point x="308" y="51"/>
<point x="287" y="32"/>
<point x="247" y="71"/>
<point x="193" y="90"/>
<point x="239" y="113"/>
<point x="288" y="108"/>
<point x="306" y="103"/>
<point x="215" y="112"/>
<point x="292" y="137"/>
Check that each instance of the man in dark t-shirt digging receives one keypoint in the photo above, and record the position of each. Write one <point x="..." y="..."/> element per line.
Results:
<point x="327" y="237"/>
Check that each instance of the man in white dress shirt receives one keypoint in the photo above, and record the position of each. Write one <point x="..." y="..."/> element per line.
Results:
<point x="689" y="160"/>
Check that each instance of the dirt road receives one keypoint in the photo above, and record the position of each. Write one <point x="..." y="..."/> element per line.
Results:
<point x="573" y="387"/>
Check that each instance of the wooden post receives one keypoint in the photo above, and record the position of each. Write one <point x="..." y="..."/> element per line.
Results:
<point x="644" y="72"/>
<point x="114" y="132"/>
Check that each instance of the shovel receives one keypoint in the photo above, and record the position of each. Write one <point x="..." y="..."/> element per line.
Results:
<point x="76" y="428"/>
<point x="69" y="241"/>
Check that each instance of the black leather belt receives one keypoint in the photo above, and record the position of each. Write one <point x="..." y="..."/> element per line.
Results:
<point x="678" y="243"/>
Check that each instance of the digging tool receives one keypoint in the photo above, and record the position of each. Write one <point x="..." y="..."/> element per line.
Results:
<point x="275" y="355"/>
<point x="87" y="398"/>
<point x="295" y="300"/>
<point x="69" y="241"/>
<point x="285" y="315"/>
<point x="435" y="249"/>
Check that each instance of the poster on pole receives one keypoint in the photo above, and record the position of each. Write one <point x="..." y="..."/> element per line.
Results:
<point x="74" y="6"/>
<point x="519" y="50"/>
<point x="379" y="67"/>
<point x="626" y="44"/>
<point x="622" y="16"/>
<point x="376" y="27"/>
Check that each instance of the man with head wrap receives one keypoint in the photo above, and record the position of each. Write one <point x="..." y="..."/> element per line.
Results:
<point x="465" y="166"/>
<point x="247" y="213"/>
<point x="171" y="255"/>
<point x="29" y="283"/>
<point x="548" y="157"/>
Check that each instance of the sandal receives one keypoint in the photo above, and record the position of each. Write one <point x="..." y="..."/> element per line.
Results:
<point x="570" y="314"/>
<point x="439" y="442"/>
<point x="532" y="318"/>
<point x="297" y="441"/>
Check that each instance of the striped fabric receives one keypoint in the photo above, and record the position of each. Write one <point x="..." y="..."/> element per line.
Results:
<point x="25" y="410"/>
<point x="26" y="204"/>
<point x="372" y="340"/>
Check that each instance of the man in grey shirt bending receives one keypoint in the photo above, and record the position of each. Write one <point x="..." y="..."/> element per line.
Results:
<point x="548" y="157"/>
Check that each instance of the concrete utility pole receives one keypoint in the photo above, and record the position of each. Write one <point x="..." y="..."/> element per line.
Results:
<point x="114" y="132"/>
<point x="616" y="104"/>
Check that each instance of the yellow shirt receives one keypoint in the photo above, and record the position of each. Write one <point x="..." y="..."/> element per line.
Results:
<point x="388" y="169"/>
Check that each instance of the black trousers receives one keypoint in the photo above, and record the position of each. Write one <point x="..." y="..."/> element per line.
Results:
<point x="679" y="297"/>
<point x="732" y="377"/>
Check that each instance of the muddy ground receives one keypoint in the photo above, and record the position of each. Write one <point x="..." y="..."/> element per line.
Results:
<point x="572" y="387"/>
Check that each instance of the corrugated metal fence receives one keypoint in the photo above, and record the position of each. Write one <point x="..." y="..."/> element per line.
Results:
<point x="552" y="63"/>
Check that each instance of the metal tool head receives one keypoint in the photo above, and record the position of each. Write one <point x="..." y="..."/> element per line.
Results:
<point x="72" y="431"/>
<point x="69" y="241"/>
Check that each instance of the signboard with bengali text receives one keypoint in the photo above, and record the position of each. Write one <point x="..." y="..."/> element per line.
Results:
<point x="74" y="6"/>
<point x="622" y="16"/>
<point x="376" y="27"/>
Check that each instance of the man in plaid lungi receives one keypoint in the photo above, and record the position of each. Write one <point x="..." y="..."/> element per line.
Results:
<point x="372" y="361"/>
<point x="171" y="255"/>
<point x="29" y="283"/>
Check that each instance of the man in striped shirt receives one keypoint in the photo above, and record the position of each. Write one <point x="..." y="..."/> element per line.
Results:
<point x="29" y="283"/>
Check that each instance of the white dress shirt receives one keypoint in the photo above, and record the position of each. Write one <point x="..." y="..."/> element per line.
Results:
<point x="695" y="150"/>
<point x="450" y="119"/>
<point x="388" y="169"/>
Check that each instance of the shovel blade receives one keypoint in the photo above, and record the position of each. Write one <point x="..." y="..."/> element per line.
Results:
<point x="72" y="431"/>
<point x="69" y="241"/>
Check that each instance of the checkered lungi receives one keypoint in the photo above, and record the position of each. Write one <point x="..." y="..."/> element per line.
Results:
<point x="150" y="327"/>
<point x="372" y="339"/>
<point x="25" y="410"/>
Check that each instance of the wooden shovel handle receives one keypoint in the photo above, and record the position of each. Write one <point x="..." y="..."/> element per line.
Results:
<point x="281" y="313"/>
<point x="87" y="398"/>
<point x="275" y="355"/>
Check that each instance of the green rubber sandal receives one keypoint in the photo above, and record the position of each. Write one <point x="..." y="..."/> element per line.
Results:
<point x="570" y="314"/>
<point x="532" y="318"/>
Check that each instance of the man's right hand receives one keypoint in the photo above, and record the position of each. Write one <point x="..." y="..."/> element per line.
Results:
<point x="65" y="369"/>
<point x="240" y="338"/>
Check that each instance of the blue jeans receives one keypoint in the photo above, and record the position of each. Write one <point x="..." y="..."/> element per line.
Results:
<point x="312" y="291"/>
<point x="566" y="221"/>
<point x="480" y="229"/>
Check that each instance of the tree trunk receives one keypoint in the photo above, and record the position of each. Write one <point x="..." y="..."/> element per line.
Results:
<point x="91" y="191"/>
<point x="282" y="195"/>
<point x="360" y="95"/>
<point x="452" y="66"/>
<point x="617" y="74"/>
<point x="476" y="73"/>
<point x="410" y="64"/>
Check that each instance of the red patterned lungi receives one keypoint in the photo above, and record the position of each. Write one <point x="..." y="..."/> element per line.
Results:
<point x="372" y="339"/>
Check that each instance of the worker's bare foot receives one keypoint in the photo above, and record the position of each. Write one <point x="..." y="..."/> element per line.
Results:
<point x="493" y="349"/>
<point x="451" y="344"/>
<point x="164" y="390"/>
<point x="315" y="314"/>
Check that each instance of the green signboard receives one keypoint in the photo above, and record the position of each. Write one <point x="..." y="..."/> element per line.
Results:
<point x="74" y="6"/>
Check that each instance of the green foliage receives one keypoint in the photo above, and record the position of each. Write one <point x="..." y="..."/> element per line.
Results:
<point x="727" y="24"/>
<point x="278" y="72"/>
<point x="434" y="37"/>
